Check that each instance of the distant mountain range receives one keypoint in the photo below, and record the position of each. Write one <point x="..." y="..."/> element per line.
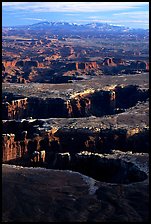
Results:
<point x="75" y="27"/>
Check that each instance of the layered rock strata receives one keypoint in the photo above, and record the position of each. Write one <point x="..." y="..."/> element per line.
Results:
<point x="87" y="103"/>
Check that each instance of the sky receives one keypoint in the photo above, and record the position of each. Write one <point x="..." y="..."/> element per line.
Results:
<point x="129" y="14"/>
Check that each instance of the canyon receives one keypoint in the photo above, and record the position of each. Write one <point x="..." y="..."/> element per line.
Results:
<point x="75" y="123"/>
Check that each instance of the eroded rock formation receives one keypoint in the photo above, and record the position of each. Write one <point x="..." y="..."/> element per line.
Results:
<point x="97" y="128"/>
<point x="84" y="104"/>
<point x="14" y="108"/>
<point x="41" y="136"/>
<point x="52" y="70"/>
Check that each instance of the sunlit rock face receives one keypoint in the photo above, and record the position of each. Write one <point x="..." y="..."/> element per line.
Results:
<point x="45" y="71"/>
<point x="35" y="135"/>
<point x="87" y="103"/>
<point x="15" y="108"/>
<point x="96" y="132"/>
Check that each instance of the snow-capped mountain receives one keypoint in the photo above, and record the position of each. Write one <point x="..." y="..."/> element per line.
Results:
<point x="65" y="26"/>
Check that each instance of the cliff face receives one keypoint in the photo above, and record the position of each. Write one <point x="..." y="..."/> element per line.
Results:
<point x="103" y="102"/>
<point x="46" y="108"/>
<point x="37" y="149"/>
<point x="84" y="104"/>
<point x="32" y="136"/>
<point x="79" y="106"/>
<point x="9" y="63"/>
<point x="109" y="62"/>
<point x="27" y="63"/>
<point x="33" y="107"/>
<point x="45" y="70"/>
<point x="140" y="65"/>
<point x="12" y="149"/>
<point x="86" y="65"/>
<point x="16" y="109"/>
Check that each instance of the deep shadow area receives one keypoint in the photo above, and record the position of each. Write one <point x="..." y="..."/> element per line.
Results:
<point x="101" y="169"/>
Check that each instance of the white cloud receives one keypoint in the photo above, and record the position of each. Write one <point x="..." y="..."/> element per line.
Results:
<point x="13" y="3"/>
<point x="132" y="12"/>
<point x="73" y="6"/>
<point x="138" y="14"/>
<point x="139" y="17"/>
<point x="71" y="14"/>
<point x="36" y="19"/>
<point x="119" y="22"/>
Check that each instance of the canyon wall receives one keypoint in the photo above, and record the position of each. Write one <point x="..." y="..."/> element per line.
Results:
<point x="88" y="103"/>
<point x="44" y="145"/>
<point x="15" y="109"/>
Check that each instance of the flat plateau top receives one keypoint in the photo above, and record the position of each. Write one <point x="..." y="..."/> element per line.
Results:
<point x="65" y="90"/>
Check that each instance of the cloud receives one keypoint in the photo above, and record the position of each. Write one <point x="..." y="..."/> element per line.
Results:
<point x="36" y="19"/>
<point x="109" y="12"/>
<point x="138" y="17"/>
<point x="73" y="6"/>
<point x="13" y="4"/>
<point x="138" y="14"/>
<point x="118" y="22"/>
<point x="72" y="14"/>
<point x="131" y="18"/>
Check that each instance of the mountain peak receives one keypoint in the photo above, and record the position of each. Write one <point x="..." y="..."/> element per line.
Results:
<point x="69" y="26"/>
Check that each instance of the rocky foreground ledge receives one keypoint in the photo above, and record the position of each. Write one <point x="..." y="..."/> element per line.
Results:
<point x="39" y="194"/>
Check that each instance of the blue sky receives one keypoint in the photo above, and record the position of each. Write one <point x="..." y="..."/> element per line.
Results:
<point x="129" y="14"/>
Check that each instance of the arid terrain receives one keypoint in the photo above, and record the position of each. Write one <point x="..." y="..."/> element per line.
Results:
<point x="75" y="124"/>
